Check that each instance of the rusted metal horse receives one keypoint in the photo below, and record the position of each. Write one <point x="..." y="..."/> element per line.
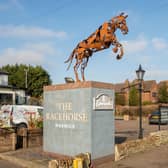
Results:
<point x="101" y="39"/>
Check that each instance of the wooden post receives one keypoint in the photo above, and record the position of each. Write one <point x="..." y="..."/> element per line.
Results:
<point x="13" y="137"/>
<point x="23" y="133"/>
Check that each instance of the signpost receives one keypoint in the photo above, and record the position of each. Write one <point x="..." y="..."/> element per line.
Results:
<point x="163" y="115"/>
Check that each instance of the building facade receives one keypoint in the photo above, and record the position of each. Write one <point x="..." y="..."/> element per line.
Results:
<point x="149" y="90"/>
<point x="8" y="93"/>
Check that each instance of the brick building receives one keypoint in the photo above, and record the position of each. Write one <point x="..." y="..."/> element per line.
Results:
<point x="149" y="93"/>
<point x="161" y="83"/>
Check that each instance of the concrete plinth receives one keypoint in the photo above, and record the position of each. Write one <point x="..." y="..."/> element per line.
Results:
<point x="79" y="118"/>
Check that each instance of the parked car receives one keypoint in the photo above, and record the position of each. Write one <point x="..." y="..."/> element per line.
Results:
<point x="19" y="116"/>
<point x="157" y="117"/>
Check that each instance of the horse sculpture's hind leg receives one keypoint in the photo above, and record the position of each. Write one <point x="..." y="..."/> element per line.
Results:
<point x="77" y="64"/>
<point x="83" y="66"/>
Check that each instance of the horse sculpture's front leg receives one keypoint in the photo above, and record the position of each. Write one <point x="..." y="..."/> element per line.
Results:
<point x="119" y="56"/>
<point x="115" y="50"/>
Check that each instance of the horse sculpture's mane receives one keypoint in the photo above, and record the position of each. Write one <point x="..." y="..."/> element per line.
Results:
<point x="101" y="39"/>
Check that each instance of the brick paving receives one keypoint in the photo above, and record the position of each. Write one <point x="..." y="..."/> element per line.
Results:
<point x="30" y="157"/>
<point x="7" y="164"/>
<point x="154" y="158"/>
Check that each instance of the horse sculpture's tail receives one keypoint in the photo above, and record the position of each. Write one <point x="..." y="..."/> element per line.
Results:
<point x="70" y="59"/>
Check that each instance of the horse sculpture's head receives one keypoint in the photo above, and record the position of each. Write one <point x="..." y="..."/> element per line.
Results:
<point x="120" y="22"/>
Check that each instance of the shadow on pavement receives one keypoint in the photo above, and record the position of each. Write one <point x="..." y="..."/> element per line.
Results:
<point x="120" y="139"/>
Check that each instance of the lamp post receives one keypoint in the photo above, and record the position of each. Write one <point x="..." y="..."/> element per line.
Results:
<point x="140" y="74"/>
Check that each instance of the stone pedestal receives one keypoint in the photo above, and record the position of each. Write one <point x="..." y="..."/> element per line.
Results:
<point x="79" y="118"/>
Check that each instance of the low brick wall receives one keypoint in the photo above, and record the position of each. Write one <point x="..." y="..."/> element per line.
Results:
<point x="7" y="140"/>
<point x="133" y="111"/>
<point x="30" y="137"/>
<point x="35" y="137"/>
<point x="130" y="147"/>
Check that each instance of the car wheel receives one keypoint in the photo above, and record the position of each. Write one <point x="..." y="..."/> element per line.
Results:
<point x="20" y="127"/>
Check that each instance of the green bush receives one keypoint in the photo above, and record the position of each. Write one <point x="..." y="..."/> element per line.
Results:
<point x="120" y="99"/>
<point x="133" y="97"/>
<point x="147" y="103"/>
<point x="134" y="110"/>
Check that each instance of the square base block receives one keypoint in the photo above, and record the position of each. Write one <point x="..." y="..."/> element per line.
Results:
<point x="79" y="118"/>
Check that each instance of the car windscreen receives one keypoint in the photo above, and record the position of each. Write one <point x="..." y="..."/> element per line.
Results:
<point x="155" y="113"/>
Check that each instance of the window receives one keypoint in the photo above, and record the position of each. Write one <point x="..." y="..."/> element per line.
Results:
<point x="154" y="94"/>
<point x="6" y="98"/>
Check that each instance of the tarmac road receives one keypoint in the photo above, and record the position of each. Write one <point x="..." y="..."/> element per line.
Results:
<point x="129" y="130"/>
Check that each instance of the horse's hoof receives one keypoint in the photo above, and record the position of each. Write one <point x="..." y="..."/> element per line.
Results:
<point x="78" y="81"/>
<point x="118" y="57"/>
<point x="115" y="50"/>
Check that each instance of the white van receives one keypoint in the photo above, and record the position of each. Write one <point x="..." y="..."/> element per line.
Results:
<point x="19" y="115"/>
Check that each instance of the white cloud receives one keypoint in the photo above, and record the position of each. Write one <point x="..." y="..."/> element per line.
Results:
<point x="28" y="54"/>
<point x="136" y="45"/>
<point x="45" y="48"/>
<point x="25" y="31"/>
<point x="159" y="43"/>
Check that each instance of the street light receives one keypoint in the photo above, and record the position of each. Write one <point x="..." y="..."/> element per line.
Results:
<point x="140" y="74"/>
<point x="69" y="80"/>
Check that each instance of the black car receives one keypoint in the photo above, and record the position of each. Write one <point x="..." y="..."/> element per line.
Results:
<point x="157" y="117"/>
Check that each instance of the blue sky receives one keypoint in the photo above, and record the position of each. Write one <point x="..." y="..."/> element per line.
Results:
<point x="40" y="32"/>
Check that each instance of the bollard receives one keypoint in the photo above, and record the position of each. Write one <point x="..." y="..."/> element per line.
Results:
<point x="78" y="163"/>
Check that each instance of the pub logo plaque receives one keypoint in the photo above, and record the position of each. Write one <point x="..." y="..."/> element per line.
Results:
<point x="103" y="102"/>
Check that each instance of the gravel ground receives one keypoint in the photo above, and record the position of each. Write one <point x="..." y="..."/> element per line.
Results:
<point x="154" y="158"/>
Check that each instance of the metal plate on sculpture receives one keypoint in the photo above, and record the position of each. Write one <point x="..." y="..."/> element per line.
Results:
<point x="103" y="102"/>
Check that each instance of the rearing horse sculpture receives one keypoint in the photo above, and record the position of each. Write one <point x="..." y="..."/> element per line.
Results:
<point x="101" y="39"/>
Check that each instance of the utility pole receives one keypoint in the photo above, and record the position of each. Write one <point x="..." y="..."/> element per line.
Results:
<point x="26" y="72"/>
<point x="26" y="80"/>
